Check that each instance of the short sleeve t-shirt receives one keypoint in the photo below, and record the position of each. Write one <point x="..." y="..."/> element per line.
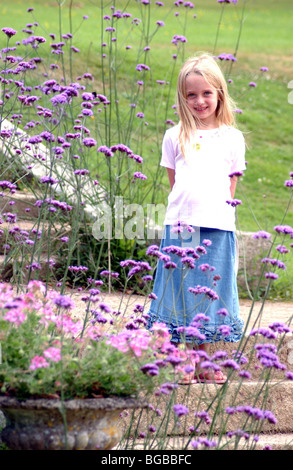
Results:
<point x="202" y="182"/>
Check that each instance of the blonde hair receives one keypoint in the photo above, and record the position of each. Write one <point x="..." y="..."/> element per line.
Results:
<point x="206" y="66"/>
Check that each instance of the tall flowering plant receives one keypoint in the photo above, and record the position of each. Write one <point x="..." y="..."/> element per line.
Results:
<point x="48" y="353"/>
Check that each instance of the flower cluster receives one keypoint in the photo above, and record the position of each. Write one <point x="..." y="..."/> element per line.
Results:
<point x="46" y="352"/>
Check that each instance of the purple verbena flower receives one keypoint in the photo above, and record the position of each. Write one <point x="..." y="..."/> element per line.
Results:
<point x="139" y="175"/>
<point x="180" y="410"/>
<point x="9" y="32"/>
<point x="234" y="202"/>
<point x="224" y="56"/>
<point x="261" y="234"/>
<point x="63" y="301"/>
<point x="105" y="150"/>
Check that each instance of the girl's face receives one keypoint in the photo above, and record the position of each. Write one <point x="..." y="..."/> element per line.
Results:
<point x="202" y="100"/>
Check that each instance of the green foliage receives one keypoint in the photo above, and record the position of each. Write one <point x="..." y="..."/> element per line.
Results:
<point x="46" y="353"/>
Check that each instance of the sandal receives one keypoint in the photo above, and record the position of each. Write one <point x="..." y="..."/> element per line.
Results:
<point x="187" y="381"/>
<point x="215" y="377"/>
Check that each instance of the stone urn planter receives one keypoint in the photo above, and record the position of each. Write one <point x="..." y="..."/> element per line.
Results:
<point x="38" y="424"/>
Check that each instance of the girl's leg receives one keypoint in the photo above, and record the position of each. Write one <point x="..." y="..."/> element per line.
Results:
<point x="188" y="377"/>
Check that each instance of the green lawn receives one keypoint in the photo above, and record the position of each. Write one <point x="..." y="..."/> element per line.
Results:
<point x="267" y="117"/>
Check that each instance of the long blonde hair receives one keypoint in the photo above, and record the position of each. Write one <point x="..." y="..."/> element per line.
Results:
<point x="206" y="66"/>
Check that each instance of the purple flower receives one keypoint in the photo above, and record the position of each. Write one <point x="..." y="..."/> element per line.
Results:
<point x="274" y="262"/>
<point x="89" y="142"/>
<point x="153" y="250"/>
<point x="35" y="139"/>
<point x="105" y="272"/>
<point x="279" y="327"/>
<point x="180" y="410"/>
<point x="9" y="32"/>
<point x="188" y="261"/>
<point x="236" y="173"/>
<point x="191" y="331"/>
<point x="204" y="290"/>
<point x="204" y="441"/>
<point x="81" y="172"/>
<point x="170" y="265"/>
<point x="204" y="267"/>
<point x="88" y="76"/>
<point x="289" y="375"/>
<point x="288" y="184"/>
<point x="200" y="249"/>
<point x="224" y="56"/>
<point x="160" y="23"/>
<point x="150" y="369"/>
<point x="87" y="112"/>
<point x="104" y="307"/>
<point x="139" y="175"/>
<point x="230" y="363"/>
<point x="203" y="415"/>
<point x="225" y="330"/>
<point x="106" y="151"/>
<point x="200" y="317"/>
<point x="261" y="234"/>
<point x="47" y="136"/>
<point x="286" y="229"/>
<point x="77" y="269"/>
<point x="141" y="67"/>
<point x="264" y="332"/>
<point x="252" y="84"/>
<point x="271" y="275"/>
<point x="234" y="202"/>
<point x="63" y="301"/>
<point x="177" y="39"/>
<point x="222" y="312"/>
<point x="59" y="99"/>
<point x="49" y="180"/>
<point x="245" y="374"/>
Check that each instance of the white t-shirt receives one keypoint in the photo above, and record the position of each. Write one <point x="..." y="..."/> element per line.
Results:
<point x="202" y="182"/>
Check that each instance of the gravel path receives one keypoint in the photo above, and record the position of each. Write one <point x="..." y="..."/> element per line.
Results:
<point x="271" y="311"/>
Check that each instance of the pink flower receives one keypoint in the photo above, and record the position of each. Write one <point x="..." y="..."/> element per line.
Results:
<point x="94" y="332"/>
<point x="48" y="315"/>
<point x="16" y="316"/>
<point x="68" y="325"/>
<point x="54" y="354"/>
<point x="135" y="341"/>
<point x="38" y="362"/>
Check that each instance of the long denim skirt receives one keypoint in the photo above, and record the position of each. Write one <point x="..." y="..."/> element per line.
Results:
<point x="195" y="288"/>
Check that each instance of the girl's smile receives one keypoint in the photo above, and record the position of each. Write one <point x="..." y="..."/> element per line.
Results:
<point x="202" y="100"/>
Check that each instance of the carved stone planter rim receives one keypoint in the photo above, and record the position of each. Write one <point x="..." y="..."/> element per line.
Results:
<point x="91" y="423"/>
<point x="108" y="403"/>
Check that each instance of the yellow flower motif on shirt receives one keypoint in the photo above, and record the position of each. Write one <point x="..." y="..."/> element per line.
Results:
<point x="196" y="146"/>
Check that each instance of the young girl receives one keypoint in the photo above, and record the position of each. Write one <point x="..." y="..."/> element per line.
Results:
<point x="203" y="156"/>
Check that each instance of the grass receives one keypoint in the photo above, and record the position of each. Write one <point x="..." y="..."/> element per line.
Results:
<point x="267" y="116"/>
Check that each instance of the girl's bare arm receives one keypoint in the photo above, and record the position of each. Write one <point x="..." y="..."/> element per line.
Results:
<point x="233" y="186"/>
<point x="171" y="176"/>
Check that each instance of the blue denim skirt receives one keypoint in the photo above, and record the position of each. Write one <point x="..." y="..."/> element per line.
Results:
<point x="196" y="274"/>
